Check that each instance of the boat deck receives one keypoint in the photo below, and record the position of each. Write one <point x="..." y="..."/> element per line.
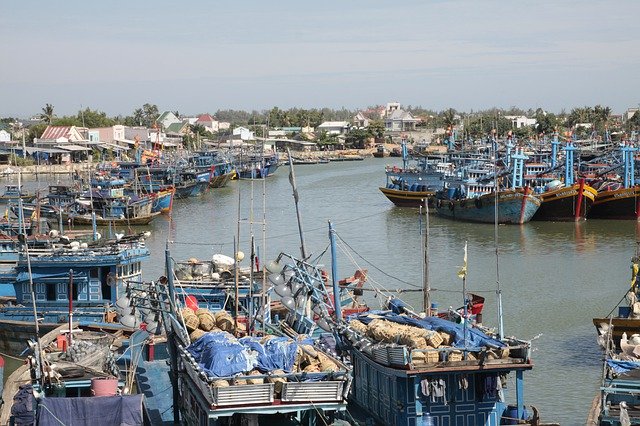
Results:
<point x="153" y="381"/>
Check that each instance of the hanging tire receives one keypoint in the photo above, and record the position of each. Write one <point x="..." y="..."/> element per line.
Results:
<point x="463" y="203"/>
<point x="478" y="203"/>
<point x="451" y="205"/>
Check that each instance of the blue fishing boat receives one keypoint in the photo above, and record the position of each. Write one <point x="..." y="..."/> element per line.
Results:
<point x="73" y="278"/>
<point x="12" y="193"/>
<point x="477" y="198"/>
<point x="185" y="181"/>
<point x="220" y="373"/>
<point x="82" y="377"/>
<point x="212" y="168"/>
<point x="256" y="166"/>
<point x="417" y="180"/>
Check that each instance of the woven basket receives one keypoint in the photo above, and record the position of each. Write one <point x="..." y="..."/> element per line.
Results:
<point x="201" y="311"/>
<point x="207" y="322"/>
<point x="192" y="322"/>
<point x="434" y="339"/>
<point x="220" y="384"/>
<point x="196" y="334"/>
<point x="224" y="321"/>
<point x="255" y="381"/>
<point x="454" y="356"/>
<point x="187" y="312"/>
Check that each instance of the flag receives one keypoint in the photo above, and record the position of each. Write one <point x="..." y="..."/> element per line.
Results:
<point x="462" y="273"/>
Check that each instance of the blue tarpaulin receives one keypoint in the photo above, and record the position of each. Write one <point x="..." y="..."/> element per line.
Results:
<point x="100" y="410"/>
<point x="622" y="367"/>
<point x="278" y="353"/>
<point x="221" y="355"/>
<point x="475" y="338"/>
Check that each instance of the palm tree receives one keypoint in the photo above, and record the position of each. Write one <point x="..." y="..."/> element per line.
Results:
<point x="47" y="113"/>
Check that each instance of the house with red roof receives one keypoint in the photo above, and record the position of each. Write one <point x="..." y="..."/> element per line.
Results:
<point x="54" y="135"/>
<point x="208" y="122"/>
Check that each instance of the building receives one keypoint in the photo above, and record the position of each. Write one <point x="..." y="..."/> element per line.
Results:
<point x="167" y="118"/>
<point x="106" y="134"/>
<point x="518" y="121"/>
<point x="399" y="120"/>
<point x="334" y="127"/>
<point x="209" y="123"/>
<point x="361" y="121"/>
<point x="5" y="136"/>
<point x="244" y="133"/>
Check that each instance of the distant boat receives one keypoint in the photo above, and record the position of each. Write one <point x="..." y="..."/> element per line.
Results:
<point x="381" y="152"/>
<point x="561" y="203"/>
<point x="12" y="193"/>
<point x="515" y="206"/>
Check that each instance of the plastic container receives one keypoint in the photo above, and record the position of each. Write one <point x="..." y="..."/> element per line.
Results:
<point x="61" y="342"/>
<point x="427" y="420"/>
<point x="510" y="415"/>
<point x="104" y="386"/>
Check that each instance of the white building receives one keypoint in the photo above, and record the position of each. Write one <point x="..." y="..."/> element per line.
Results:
<point x="5" y="136"/>
<point x="244" y="133"/>
<point x="518" y="121"/>
<point x="334" y="127"/>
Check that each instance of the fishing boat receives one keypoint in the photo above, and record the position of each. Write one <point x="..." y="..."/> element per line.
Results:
<point x="381" y="151"/>
<point x="417" y="180"/>
<point x="480" y="198"/>
<point x="618" y="200"/>
<point x="618" y="400"/>
<point x="514" y="206"/>
<point x="565" y="200"/>
<point x="256" y="166"/>
<point x="78" y="375"/>
<point x="12" y="193"/>
<point x="565" y="203"/>
<point x="72" y="279"/>
<point x="219" y="371"/>
<point x="623" y="318"/>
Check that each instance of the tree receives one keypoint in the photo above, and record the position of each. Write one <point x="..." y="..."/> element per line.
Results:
<point x="150" y="114"/>
<point x="47" y="113"/>
<point x="36" y="131"/>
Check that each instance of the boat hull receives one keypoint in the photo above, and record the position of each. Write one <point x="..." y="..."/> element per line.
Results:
<point x="101" y="221"/>
<point x="220" y="181"/>
<point x="192" y="190"/>
<point x="163" y="201"/>
<point x="403" y="198"/>
<point x="620" y="325"/>
<point x="619" y="204"/>
<point x="562" y="204"/>
<point x="514" y="207"/>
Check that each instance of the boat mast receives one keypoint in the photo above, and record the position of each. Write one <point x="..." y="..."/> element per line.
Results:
<point x="495" y="239"/>
<point x="337" y="309"/>
<point x="292" y="180"/>
<point x="426" y="285"/>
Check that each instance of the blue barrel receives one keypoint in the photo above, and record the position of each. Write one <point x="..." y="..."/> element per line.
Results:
<point x="510" y="415"/>
<point x="414" y="187"/>
<point x="451" y="193"/>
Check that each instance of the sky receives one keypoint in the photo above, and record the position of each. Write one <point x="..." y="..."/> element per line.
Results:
<point x="202" y="56"/>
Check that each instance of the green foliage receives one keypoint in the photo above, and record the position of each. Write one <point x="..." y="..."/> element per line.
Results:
<point x="357" y="138"/>
<point x="47" y="113"/>
<point x="19" y="161"/>
<point x="36" y="130"/>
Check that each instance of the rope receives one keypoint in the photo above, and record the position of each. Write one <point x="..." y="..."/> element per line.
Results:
<point x="53" y="415"/>
<point x="4" y="355"/>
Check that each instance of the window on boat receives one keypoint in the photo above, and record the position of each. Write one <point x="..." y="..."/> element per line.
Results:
<point x="52" y="291"/>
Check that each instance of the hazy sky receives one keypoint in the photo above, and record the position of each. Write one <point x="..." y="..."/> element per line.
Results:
<point x="201" y="56"/>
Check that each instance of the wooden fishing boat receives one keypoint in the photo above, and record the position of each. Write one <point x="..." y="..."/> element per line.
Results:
<point x="614" y="201"/>
<point x="12" y="193"/>
<point x="77" y="375"/>
<point x="86" y="219"/>
<point x="515" y="206"/>
<point x="408" y="198"/>
<point x="380" y="152"/>
<point x="563" y="203"/>
<point x="74" y="278"/>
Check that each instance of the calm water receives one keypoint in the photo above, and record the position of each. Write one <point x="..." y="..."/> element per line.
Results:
<point x="555" y="276"/>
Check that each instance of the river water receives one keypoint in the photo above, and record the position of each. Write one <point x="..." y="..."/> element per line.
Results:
<point x="555" y="277"/>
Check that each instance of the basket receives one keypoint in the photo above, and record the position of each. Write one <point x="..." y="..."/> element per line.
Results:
<point x="207" y="322"/>
<point x="196" y="334"/>
<point x="192" y="322"/>
<point x="434" y="339"/>
<point x="454" y="356"/>
<point x="201" y="311"/>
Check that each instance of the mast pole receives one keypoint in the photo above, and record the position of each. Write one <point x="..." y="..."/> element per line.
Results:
<point x="495" y="240"/>
<point x="292" y="180"/>
<point x="334" y="275"/>
<point x="426" y="285"/>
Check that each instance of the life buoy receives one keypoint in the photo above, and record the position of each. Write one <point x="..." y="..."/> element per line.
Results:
<point x="451" y="205"/>
<point x="478" y="203"/>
